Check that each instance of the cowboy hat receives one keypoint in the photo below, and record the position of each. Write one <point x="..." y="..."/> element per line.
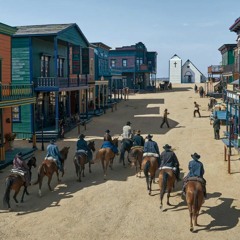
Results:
<point x="107" y="131"/>
<point x="138" y="131"/>
<point x="128" y="123"/>
<point x="81" y="136"/>
<point x="149" y="136"/>
<point x="52" y="141"/>
<point x="195" y="156"/>
<point x="166" y="146"/>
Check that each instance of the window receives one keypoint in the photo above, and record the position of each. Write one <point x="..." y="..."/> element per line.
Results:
<point x="16" y="114"/>
<point x="139" y="61"/>
<point x="60" y="65"/>
<point x="124" y="62"/>
<point x="149" y="63"/>
<point x="45" y="66"/>
<point x="113" y="62"/>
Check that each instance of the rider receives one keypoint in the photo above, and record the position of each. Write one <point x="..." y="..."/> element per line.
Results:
<point x="108" y="143"/>
<point x="83" y="146"/>
<point x="138" y="140"/>
<point x="127" y="131"/>
<point x="196" y="169"/>
<point x="169" y="159"/>
<point x="20" y="164"/>
<point x="151" y="147"/>
<point x="53" y="151"/>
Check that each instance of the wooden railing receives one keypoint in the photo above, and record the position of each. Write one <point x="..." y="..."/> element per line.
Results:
<point x="60" y="82"/>
<point x="15" y="91"/>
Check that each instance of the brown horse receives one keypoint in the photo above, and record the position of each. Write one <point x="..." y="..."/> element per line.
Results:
<point x="14" y="182"/>
<point x="195" y="199"/>
<point x="166" y="181"/>
<point x="149" y="166"/>
<point x="136" y="156"/>
<point x="81" y="159"/>
<point x="106" y="155"/>
<point x="48" y="168"/>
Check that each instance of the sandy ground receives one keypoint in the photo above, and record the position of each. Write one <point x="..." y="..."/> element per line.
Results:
<point x="120" y="208"/>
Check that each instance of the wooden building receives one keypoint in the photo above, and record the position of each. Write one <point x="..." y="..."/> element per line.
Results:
<point x="14" y="95"/>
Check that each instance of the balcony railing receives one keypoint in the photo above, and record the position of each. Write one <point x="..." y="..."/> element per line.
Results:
<point x="217" y="69"/>
<point x="15" y="91"/>
<point x="229" y="68"/>
<point x="60" y="82"/>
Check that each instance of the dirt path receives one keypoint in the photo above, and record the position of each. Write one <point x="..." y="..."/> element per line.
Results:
<point x="120" y="208"/>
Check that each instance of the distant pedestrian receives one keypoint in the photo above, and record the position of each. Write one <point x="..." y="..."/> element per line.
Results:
<point x="165" y="118"/>
<point x="196" y="109"/>
<point x="201" y="92"/>
<point x="195" y="88"/>
<point x="216" y="127"/>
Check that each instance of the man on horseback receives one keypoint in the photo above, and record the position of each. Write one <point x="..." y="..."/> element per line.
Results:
<point x="151" y="147"/>
<point x="196" y="169"/>
<point x="19" y="164"/>
<point x="169" y="159"/>
<point x="53" y="151"/>
<point x="108" y="142"/>
<point x="138" y="140"/>
<point x="127" y="131"/>
<point x="82" y="146"/>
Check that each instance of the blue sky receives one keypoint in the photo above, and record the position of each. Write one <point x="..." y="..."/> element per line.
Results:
<point x="191" y="29"/>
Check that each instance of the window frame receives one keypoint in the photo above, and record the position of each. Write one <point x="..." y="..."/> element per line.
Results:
<point x="17" y="120"/>
<point x="124" y="62"/>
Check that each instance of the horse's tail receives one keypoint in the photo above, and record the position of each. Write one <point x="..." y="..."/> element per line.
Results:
<point x="147" y="167"/>
<point x="8" y="183"/>
<point x="165" y="178"/>
<point x="195" y="201"/>
<point x="41" y="172"/>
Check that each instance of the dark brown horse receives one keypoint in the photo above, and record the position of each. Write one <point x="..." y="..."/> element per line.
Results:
<point x="166" y="181"/>
<point x="136" y="156"/>
<point x="81" y="159"/>
<point x="195" y="199"/>
<point x="149" y="166"/>
<point x="106" y="155"/>
<point x="14" y="182"/>
<point x="48" y="168"/>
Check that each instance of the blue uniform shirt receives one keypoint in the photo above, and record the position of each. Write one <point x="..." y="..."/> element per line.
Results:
<point x="138" y="140"/>
<point x="169" y="159"/>
<point x="196" y="169"/>
<point x="151" y="146"/>
<point x="53" y="151"/>
<point x="82" y="145"/>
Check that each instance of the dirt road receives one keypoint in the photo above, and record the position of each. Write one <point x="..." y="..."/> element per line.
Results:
<point x="120" y="208"/>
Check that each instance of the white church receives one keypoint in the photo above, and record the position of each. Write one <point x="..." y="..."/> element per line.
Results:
<point x="186" y="73"/>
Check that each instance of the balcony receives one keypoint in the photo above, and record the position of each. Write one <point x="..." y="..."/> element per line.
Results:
<point x="16" y="94"/>
<point x="229" y="68"/>
<point x="53" y="83"/>
<point x="215" y="69"/>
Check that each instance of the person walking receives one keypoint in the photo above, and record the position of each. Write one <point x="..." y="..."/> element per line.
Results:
<point x="165" y="118"/>
<point x="216" y="127"/>
<point x="196" y="109"/>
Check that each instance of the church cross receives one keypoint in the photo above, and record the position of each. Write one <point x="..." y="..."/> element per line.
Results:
<point x="175" y="64"/>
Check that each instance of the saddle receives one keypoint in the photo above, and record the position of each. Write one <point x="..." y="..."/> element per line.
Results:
<point x="134" y="147"/>
<point x="19" y="172"/>
<point x="50" y="158"/>
<point x="166" y="167"/>
<point x="198" y="179"/>
<point x="149" y="154"/>
<point x="81" y="152"/>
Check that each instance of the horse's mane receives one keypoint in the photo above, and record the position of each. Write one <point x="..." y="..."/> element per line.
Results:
<point x="64" y="152"/>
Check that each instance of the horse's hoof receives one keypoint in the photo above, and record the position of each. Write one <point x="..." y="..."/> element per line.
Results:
<point x="161" y="207"/>
<point x="149" y="193"/>
<point x="104" y="177"/>
<point x="40" y="193"/>
<point x="191" y="229"/>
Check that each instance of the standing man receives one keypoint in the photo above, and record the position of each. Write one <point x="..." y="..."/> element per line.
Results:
<point x="196" y="109"/>
<point x="216" y="127"/>
<point x="165" y="118"/>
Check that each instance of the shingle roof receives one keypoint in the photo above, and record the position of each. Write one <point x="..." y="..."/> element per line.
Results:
<point x="42" y="29"/>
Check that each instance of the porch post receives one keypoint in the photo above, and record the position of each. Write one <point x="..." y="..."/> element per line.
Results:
<point x="56" y="112"/>
<point x="2" y="149"/>
<point x="56" y="83"/>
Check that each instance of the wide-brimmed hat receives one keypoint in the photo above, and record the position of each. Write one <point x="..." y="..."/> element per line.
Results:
<point x="107" y="131"/>
<point x="166" y="146"/>
<point x="149" y="136"/>
<point x="52" y="141"/>
<point x="128" y="123"/>
<point x="81" y="136"/>
<point x="195" y="156"/>
<point x="138" y="131"/>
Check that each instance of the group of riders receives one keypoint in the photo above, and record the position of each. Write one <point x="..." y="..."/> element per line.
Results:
<point x="166" y="159"/>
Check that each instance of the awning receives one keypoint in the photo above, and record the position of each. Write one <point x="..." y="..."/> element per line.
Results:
<point x="236" y="82"/>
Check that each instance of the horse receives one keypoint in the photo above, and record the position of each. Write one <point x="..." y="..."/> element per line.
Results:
<point x="166" y="181"/>
<point x="15" y="181"/>
<point x="195" y="199"/>
<point x="149" y="166"/>
<point x="81" y="159"/>
<point x="106" y="155"/>
<point x="48" y="168"/>
<point x="125" y="146"/>
<point x="135" y="156"/>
